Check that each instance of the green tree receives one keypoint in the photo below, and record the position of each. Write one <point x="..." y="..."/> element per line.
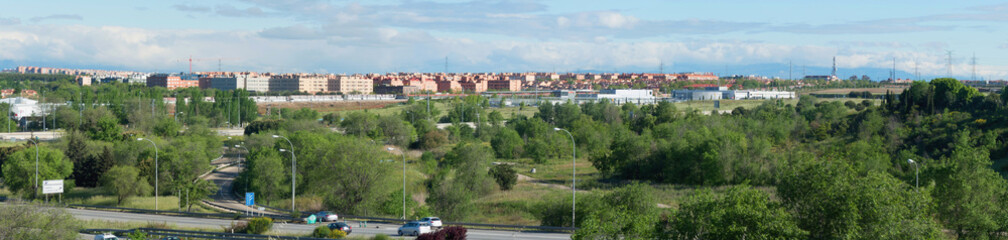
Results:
<point x="19" y="168"/>
<point x="628" y="212"/>
<point x="266" y="172"/>
<point x="27" y="221"/>
<point x="505" y="175"/>
<point x="507" y="144"/>
<point x="741" y="213"/>
<point x="125" y="182"/>
<point x="968" y="191"/>
<point x="830" y="201"/>
<point x="396" y="131"/>
<point x="361" y="124"/>
<point x="196" y="191"/>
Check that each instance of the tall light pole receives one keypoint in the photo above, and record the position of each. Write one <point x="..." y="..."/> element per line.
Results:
<point x="403" y="181"/>
<point x="916" y="174"/>
<point x="573" y="174"/>
<point x="239" y="154"/>
<point x="36" y="164"/>
<point x="155" y="170"/>
<point x="293" y="173"/>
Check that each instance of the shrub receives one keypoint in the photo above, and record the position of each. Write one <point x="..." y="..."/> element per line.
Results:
<point x="321" y="232"/>
<point x="381" y="237"/>
<point x="454" y="233"/>
<point x="337" y="234"/>
<point x="439" y="235"/>
<point x="505" y="176"/>
<point x="259" y="225"/>
<point x="136" y="234"/>
<point x="236" y="227"/>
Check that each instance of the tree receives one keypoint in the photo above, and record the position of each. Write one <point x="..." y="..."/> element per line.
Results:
<point x="88" y="172"/>
<point x="433" y="139"/>
<point x="196" y="191"/>
<point x="831" y="201"/>
<point x="507" y="144"/>
<point x="505" y="176"/>
<point x="19" y="169"/>
<point x="396" y="131"/>
<point x="125" y="182"/>
<point x="361" y="124"/>
<point x="27" y="221"/>
<point x="267" y="174"/>
<point x="626" y="213"/>
<point x="741" y="213"/>
<point x="968" y="190"/>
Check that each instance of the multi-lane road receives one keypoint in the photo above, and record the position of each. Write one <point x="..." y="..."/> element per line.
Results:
<point x="285" y="228"/>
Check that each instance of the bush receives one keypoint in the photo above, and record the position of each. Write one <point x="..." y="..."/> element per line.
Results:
<point x="325" y="232"/>
<point x="337" y="234"/>
<point x="454" y="233"/>
<point x="381" y="237"/>
<point x="236" y="227"/>
<point x="439" y="235"/>
<point x="448" y="233"/>
<point x="505" y="176"/>
<point x="321" y="232"/>
<point x="259" y="225"/>
<point x="136" y="234"/>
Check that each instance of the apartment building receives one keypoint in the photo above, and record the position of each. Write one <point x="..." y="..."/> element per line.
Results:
<point x="351" y="84"/>
<point x="504" y="85"/>
<point x="283" y="83"/>
<point x="313" y="84"/>
<point x="448" y="86"/>
<point x="170" y="81"/>
<point x="255" y="83"/>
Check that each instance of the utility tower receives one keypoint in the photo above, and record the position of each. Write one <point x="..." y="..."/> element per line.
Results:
<point x="834" y="66"/>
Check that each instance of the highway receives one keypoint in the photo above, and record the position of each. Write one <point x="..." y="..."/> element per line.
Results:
<point x="285" y="228"/>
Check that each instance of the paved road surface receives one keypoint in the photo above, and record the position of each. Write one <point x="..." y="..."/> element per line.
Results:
<point x="371" y="230"/>
<point x="20" y="136"/>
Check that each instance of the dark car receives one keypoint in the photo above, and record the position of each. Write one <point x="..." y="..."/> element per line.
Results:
<point x="341" y="226"/>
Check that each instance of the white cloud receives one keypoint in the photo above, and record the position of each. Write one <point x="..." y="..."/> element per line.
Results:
<point x="616" y="20"/>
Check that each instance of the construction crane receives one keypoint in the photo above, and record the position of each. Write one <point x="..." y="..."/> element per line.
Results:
<point x="190" y="60"/>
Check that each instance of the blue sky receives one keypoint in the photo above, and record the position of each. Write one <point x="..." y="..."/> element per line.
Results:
<point x="735" y="37"/>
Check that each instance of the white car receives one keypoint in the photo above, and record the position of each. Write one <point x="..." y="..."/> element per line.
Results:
<point x="432" y="221"/>
<point x="106" y="236"/>
<point x="414" y="229"/>
<point x="326" y="216"/>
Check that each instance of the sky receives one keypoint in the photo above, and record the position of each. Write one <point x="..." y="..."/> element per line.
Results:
<point x="724" y="37"/>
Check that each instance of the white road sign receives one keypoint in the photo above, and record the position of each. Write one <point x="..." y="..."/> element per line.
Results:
<point x="52" y="186"/>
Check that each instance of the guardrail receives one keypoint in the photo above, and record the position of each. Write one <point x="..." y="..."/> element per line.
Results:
<point x="157" y="232"/>
<point x="520" y="228"/>
<point x="176" y="213"/>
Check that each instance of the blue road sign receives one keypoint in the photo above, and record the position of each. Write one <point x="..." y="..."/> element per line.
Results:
<point x="249" y="198"/>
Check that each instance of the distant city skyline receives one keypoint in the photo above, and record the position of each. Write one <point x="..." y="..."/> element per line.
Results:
<point x="729" y="37"/>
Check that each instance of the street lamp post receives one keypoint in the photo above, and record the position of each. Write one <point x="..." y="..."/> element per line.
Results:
<point x="293" y="171"/>
<point x="573" y="174"/>
<point x="916" y="174"/>
<point x="239" y="154"/>
<point x="155" y="170"/>
<point x="403" y="181"/>
<point x="36" y="164"/>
